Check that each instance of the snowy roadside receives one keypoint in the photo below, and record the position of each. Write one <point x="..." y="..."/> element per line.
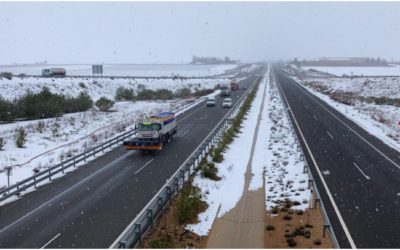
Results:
<point x="275" y="159"/>
<point x="382" y="121"/>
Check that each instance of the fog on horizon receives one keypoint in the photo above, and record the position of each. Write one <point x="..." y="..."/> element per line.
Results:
<point x="139" y="32"/>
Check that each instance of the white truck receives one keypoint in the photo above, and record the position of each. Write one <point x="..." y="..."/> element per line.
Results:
<point x="153" y="133"/>
<point x="54" y="72"/>
<point x="225" y="89"/>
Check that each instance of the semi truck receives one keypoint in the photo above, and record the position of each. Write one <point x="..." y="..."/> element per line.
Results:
<point x="54" y="72"/>
<point x="153" y="133"/>
<point x="234" y="85"/>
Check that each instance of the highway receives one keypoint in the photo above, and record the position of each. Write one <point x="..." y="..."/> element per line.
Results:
<point x="91" y="206"/>
<point x="358" y="176"/>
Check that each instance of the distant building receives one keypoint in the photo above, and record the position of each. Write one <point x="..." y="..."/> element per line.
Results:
<point x="211" y="60"/>
<point x="343" y="61"/>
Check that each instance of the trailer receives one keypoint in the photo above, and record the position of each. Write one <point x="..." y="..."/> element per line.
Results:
<point x="234" y="85"/>
<point x="153" y="133"/>
<point x="54" y="72"/>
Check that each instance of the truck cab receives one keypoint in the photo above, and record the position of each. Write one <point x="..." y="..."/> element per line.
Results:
<point x="153" y="133"/>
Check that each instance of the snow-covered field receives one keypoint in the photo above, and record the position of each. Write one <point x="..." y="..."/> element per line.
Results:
<point x="127" y="69"/>
<point x="275" y="153"/>
<point x="383" y="121"/>
<point x="393" y="70"/>
<point x="97" y="88"/>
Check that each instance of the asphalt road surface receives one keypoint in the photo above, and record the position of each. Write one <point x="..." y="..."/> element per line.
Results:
<point x="361" y="173"/>
<point x="91" y="206"/>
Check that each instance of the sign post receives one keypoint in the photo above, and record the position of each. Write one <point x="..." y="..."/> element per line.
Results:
<point x="97" y="69"/>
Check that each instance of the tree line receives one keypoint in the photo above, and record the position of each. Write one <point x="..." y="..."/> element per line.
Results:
<point x="43" y="105"/>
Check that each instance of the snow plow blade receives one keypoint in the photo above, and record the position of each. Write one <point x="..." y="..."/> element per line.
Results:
<point x="137" y="145"/>
<point x="131" y="147"/>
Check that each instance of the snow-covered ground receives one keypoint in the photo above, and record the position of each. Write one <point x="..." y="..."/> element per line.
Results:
<point x="69" y="135"/>
<point x="275" y="156"/>
<point x="127" y="69"/>
<point x="96" y="88"/>
<point x="383" y="121"/>
<point x="392" y="70"/>
<point x="369" y="86"/>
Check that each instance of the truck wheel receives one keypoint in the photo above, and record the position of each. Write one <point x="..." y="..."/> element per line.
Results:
<point x="169" y="137"/>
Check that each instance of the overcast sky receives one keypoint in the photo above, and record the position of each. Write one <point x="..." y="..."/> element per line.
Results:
<point x="134" y="32"/>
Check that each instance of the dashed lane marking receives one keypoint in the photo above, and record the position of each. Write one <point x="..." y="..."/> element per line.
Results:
<point x="359" y="169"/>
<point x="50" y="241"/>
<point x="145" y="165"/>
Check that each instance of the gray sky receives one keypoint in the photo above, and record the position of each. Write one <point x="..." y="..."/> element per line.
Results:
<point x="135" y="32"/>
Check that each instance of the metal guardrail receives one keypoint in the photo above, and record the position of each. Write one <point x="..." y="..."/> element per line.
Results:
<point x="47" y="174"/>
<point x="133" y="234"/>
<point x="312" y="184"/>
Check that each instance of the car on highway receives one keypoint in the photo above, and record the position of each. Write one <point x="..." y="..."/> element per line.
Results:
<point x="227" y="103"/>
<point x="211" y="101"/>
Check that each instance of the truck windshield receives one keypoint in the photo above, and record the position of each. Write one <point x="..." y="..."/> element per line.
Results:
<point x="149" y="126"/>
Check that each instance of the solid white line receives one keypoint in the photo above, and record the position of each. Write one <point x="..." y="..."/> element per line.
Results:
<point x="335" y="207"/>
<point x="329" y="135"/>
<point x="145" y="165"/>
<point x="48" y="243"/>
<point x="359" y="169"/>
<point x="337" y="118"/>
<point x="66" y="191"/>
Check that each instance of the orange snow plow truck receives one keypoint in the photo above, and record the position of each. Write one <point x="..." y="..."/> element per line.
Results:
<point x="153" y="133"/>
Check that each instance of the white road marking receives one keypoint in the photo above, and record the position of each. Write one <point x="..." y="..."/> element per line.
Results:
<point x="145" y="165"/>
<point x="66" y="191"/>
<point x="335" y="207"/>
<point x="48" y="243"/>
<point x="359" y="169"/>
<point x="184" y="133"/>
<point x="329" y="135"/>
<point x="352" y="130"/>
<point x="315" y="118"/>
<point x="326" y="172"/>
